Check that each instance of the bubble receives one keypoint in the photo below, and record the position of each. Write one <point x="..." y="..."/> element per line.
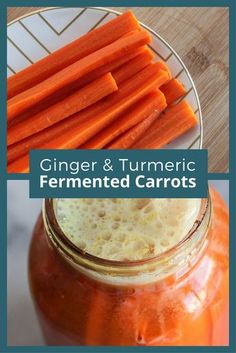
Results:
<point x="101" y="213"/>
<point x="130" y="229"/>
<point x="141" y="203"/>
<point x="140" y="339"/>
<point x="107" y="236"/>
<point x="164" y="243"/>
<point x="115" y="225"/>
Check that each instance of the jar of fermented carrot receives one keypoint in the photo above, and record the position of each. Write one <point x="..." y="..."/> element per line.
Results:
<point x="100" y="274"/>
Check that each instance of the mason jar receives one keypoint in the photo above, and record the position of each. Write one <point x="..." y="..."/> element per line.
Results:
<point x="177" y="298"/>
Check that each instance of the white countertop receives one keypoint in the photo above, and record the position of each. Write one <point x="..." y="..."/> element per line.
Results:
<point x="23" y="328"/>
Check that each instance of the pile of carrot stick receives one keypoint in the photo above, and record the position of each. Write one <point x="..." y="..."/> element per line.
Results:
<point x="102" y="90"/>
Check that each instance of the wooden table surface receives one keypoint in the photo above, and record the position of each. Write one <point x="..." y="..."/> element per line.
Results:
<point x="200" y="37"/>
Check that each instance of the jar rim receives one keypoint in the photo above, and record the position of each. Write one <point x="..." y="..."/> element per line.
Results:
<point x="62" y="242"/>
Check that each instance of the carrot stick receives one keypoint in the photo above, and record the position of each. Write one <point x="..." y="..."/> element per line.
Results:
<point x="83" y="98"/>
<point x="163" y="66"/>
<point x="86" y="128"/>
<point x="97" y="317"/>
<point x="115" y="65"/>
<point x="15" y="151"/>
<point x="74" y="72"/>
<point x="172" y="124"/>
<point x="150" y="77"/>
<point x="127" y="139"/>
<point x="154" y="101"/>
<point x="21" y="165"/>
<point x="72" y="52"/>
<point x="22" y="147"/>
<point x="132" y="67"/>
<point x="150" y="74"/>
<point x="173" y="90"/>
<point x="85" y="80"/>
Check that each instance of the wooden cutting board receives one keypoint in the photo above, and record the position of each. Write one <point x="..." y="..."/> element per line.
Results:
<point x="200" y="36"/>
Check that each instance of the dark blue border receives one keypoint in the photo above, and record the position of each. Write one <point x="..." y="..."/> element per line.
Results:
<point x="231" y="175"/>
<point x="232" y="171"/>
<point x="129" y="3"/>
<point x="3" y="183"/>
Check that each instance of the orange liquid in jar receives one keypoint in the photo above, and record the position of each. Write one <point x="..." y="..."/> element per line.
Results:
<point x="179" y="309"/>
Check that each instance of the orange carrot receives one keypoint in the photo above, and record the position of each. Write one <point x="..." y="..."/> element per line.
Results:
<point x="99" y="303"/>
<point x="15" y="151"/>
<point x="154" y="101"/>
<point x="83" y="98"/>
<point x="173" y="90"/>
<point x="163" y="66"/>
<point x="151" y="73"/>
<point x="87" y="128"/>
<point x="112" y="67"/>
<point x="21" y="165"/>
<point x="85" y="80"/>
<point x="22" y="147"/>
<point x="109" y="105"/>
<point x="127" y="139"/>
<point x="170" y="125"/>
<point x="133" y="66"/>
<point x="74" y="72"/>
<point x="79" y="48"/>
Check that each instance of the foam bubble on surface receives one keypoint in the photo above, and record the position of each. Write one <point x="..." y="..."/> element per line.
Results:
<point x="126" y="229"/>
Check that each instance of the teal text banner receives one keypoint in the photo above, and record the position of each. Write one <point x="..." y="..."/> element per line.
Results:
<point x="118" y="173"/>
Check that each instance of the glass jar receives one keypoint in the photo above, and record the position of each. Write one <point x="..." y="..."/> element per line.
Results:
<point x="177" y="298"/>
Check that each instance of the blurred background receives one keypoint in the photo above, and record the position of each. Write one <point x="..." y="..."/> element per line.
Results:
<point x="23" y="328"/>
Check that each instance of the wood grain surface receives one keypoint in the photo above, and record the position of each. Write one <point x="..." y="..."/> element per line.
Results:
<point x="200" y="37"/>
